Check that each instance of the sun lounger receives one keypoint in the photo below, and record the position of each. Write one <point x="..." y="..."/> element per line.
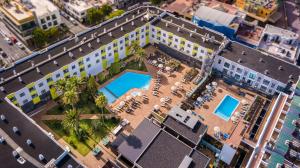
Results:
<point x="105" y="141"/>
<point x="96" y="151"/>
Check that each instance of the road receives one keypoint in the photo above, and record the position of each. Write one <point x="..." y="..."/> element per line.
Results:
<point x="73" y="28"/>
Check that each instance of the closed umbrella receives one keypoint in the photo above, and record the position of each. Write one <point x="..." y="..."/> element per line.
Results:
<point x="199" y="99"/>
<point x="128" y="98"/>
<point x="208" y="87"/>
<point x="160" y="66"/>
<point x="173" y="88"/>
<point x="162" y="100"/>
<point x="189" y="111"/>
<point x="154" y="61"/>
<point x="156" y="107"/>
<point x="139" y="94"/>
<point x="233" y="118"/>
<point x="214" y="83"/>
<point x="122" y="103"/>
<point x="177" y="83"/>
<point x="168" y="68"/>
<point x="244" y="101"/>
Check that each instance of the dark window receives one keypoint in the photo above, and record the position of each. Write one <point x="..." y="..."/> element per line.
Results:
<point x="31" y="89"/>
<point x="53" y="16"/>
<point x="48" y="17"/>
<point x="73" y="66"/>
<point x="41" y="84"/>
<point x="49" y="79"/>
<point x="97" y="54"/>
<point x="66" y="71"/>
<point x="87" y="59"/>
<point x="22" y="94"/>
<point x="57" y="75"/>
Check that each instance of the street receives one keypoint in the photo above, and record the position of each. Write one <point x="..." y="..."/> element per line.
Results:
<point x="73" y="28"/>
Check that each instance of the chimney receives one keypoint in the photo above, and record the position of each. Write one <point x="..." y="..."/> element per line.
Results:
<point x="110" y="34"/>
<point x="15" y="72"/>
<point x="2" y="79"/>
<point x="89" y="45"/>
<point x="2" y="89"/>
<point x="20" y="79"/>
<point x="182" y="26"/>
<point x="65" y="49"/>
<point x="239" y="60"/>
<point x="266" y="72"/>
<point x="171" y="20"/>
<point x="132" y="23"/>
<point x="122" y="28"/>
<point x="261" y="60"/>
<point x="38" y="70"/>
<point x="291" y="77"/>
<point x="71" y="54"/>
<point x="167" y="24"/>
<point x="133" y="16"/>
<point x="191" y="34"/>
<point x="138" y="11"/>
<point x="280" y="68"/>
<point x="195" y="30"/>
<point x="142" y="19"/>
<point x="49" y="56"/>
<point x="116" y="24"/>
<point x="80" y="49"/>
<point x="55" y="62"/>
<point x="32" y="63"/>
<point x="178" y="29"/>
<point x="76" y="39"/>
<point x="104" y="30"/>
<point x="92" y="35"/>
<point x="126" y="19"/>
<point x="243" y="52"/>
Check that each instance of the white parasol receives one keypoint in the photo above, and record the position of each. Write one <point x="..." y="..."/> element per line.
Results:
<point x="162" y="100"/>
<point x="160" y="66"/>
<point x="168" y="68"/>
<point x="128" y="98"/>
<point x="156" y="107"/>
<point x="173" y="88"/>
<point x="177" y="83"/>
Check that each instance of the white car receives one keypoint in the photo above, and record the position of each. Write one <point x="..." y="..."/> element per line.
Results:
<point x="8" y="40"/>
<point x="20" y="45"/>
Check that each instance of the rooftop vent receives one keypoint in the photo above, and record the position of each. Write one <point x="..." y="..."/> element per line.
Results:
<point x="280" y="68"/>
<point x="28" y="142"/>
<point x="133" y="16"/>
<point x="2" y="117"/>
<point x="191" y="34"/>
<point x="98" y="40"/>
<point x="142" y="19"/>
<point x="20" y="79"/>
<point x="138" y="11"/>
<point x="178" y="29"/>
<point x="65" y="49"/>
<point x="243" y="52"/>
<point x="132" y="23"/>
<point x="2" y="89"/>
<point x="195" y="30"/>
<point x="167" y="24"/>
<point x="80" y="49"/>
<point x="171" y="20"/>
<point x="15" y="72"/>
<point x="55" y="62"/>
<point x="41" y="157"/>
<point x="126" y="19"/>
<point x="239" y="60"/>
<point x="71" y="54"/>
<point x="116" y="24"/>
<point x="32" y="63"/>
<point x="182" y="25"/>
<point x="38" y="70"/>
<point x="2" y="79"/>
<point x="49" y="56"/>
<point x="122" y="28"/>
<point x="266" y="72"/>
<point x="104" y="30"/>
<point x="76" y="39"/>
<point x="261" y="60"/>
<point x="110" y="34"/>
<point x="15" y="129"/>
<point x="89" y="45"/>
<point x="291" y="77"/>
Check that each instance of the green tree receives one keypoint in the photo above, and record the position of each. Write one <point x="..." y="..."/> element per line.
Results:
<point x="71" y="97"/>
<point x="101" y="102"/>
<point x="52" y="33"/>
<point x="115" y="13"/>
<point x="71" y="120"/>
<point x="39" y="37"/>
<point x="94" y="16"/>
<point x="92" y="86"/>
<point x="115" y="68"/>
<point x="106" y="9"/>
<point x="134" y="47"/>
<point x="155" y="2"/>
<point x="140" y="55"/>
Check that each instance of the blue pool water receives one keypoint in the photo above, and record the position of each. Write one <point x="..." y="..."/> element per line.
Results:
<point x="226" y="107"/>
<point x="124" y="83"/>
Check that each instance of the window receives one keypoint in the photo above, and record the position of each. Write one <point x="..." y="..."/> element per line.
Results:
<point x="73" y="66"/>
<point x="97" y="54"/>
<point x="273" y="85"/>
<point x="279" y="88"/>
<point x="109" y="54"/>
<point x="239" y="70"/>
<point x="266" y="82"/>
<point x="188" y="45"/>
<point x="75" y="74"/>
<point x="102" y="51"/>
<point x="142" y="30"/>
<point x="25" y="101"/>
<point x="232" y="67"/>
<point x="176" y="40"/>
<point x="22" y="94"/>
<point x="175" y="46"/>
<point x="80" y="62"/>
<point x="66" y="71"/>
<point x="115" y="44"/>
<point x="219" y="61"/>
<point x="89" y="65"/>
<point x="87" y="59"/>
<point x="252" y="76"/>
<point x="97" y="61"/>
<point x="121" y="48"/>
<point x="81" y="69"/>
<point x="226" y="64"/>
<point x="57" y="75"/>
<point x="195" y="48"/>
<point x="237" y="76"/>
<point x="43" y="91"/>
<point x="53" y="16"/>
<point x="31" y="89"/>
<point x="44" y="26"/>
<point x="109" y="47"/>
<point x="43" y="21"/>
<point x="34" y="95"/>
<point x="258" y="79"/>
<point x="41" y="84"/>
<point x="121" y="41"/>
<point x="132" y="35"/>
<point x="49" y="80"/>
<point x="142" y="36"/>
<point x="48" y="17"/>
<point x="153" y="36"/>
<point x="164" y="34"/>
<point x="49" y="24"/>
<point x="263" y="88"/>
<point x="55" y="23"/>
<point x="164" y="41"/>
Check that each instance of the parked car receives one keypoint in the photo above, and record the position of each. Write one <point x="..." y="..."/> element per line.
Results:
<point x="20" y="45"/>
<point x="13" y="40"/>
<point x="8" y="40"/>
<point x="73" y="21"/>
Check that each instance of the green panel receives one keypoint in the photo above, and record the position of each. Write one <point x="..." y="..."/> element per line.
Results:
<point x="36" y="100"/>
<point x="65" y="67"/>
<point x="80" y="59"/>
<point x="67" y="74"/>
<point x="53" y="93"/>
<point x="147" y="39"/>
<point x="10" y="96"/>
<point x="102" y="47"/>
<point x="33" y="92"/>
<point x="127" y="51"/>
<point x="83" y="74"/>
<point x="51" y="83"/>
<point x="30" y="85"/>
<point x="116" y="57"/>
<point x="15" y="103"/>
<point x="104" y="64"/>
<point x="49" y="75"/>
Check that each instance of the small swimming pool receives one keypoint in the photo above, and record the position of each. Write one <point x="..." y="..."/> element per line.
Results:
<point x="124" y="83"/>
<point x="226" y="107"/>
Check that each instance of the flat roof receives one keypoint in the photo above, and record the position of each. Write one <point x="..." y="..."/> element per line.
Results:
<point x="214" y="15"/>
<point x="82" y="6"/>
<point x="133" y="146"/>
<point x="165" y="151"/>
<point x="194" y="135"/>
<point x="199" y="159"/>
<point x="19" y="16"/>
<point x="42" y="7"/>
<point x="41" y="142"/>
<point x="281" y="32"/>
<point x="260" y="62"/>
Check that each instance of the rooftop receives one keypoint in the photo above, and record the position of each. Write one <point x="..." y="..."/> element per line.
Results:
<point x="28" y="130"/>
<point x="82" y="6"/>
<point x="214" y="15"/>
<point x="41" y="7"/>
<point x="194" y="134"/>
<point x="18" y="13"/>
<point x="261" y="62"/>
<point x="283" y="33"/>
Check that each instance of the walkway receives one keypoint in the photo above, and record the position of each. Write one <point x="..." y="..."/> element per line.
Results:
<point x="82" y="116"/>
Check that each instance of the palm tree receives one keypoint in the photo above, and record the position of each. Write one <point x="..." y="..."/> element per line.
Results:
<point x="75" y="83"/>
<point x="101" y="102"/>
<point x="134" y="47"/>
<point x="60" y="85"/>
<point x="71" y="120"/>
<point x="71" y="97"/>
<point x="140" y="55"/>
<point x="92" y="86"/>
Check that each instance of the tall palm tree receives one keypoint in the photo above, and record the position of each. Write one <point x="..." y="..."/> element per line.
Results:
<point x="71" y="120"/>
<point x="134" y="47"/>
<point x="75" y="83"/>
<point x="101" y="102"/>
<point x="140" y="55"/>
<point x="60" y="85"/>
<point x="71" y="97"/>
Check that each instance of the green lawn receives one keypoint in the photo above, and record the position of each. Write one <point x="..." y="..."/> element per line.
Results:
<point x="94" y="136"/>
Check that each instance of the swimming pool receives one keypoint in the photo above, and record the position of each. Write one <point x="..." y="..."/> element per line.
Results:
<point x="226" y="107"/>
<point x="124" y="83"/>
